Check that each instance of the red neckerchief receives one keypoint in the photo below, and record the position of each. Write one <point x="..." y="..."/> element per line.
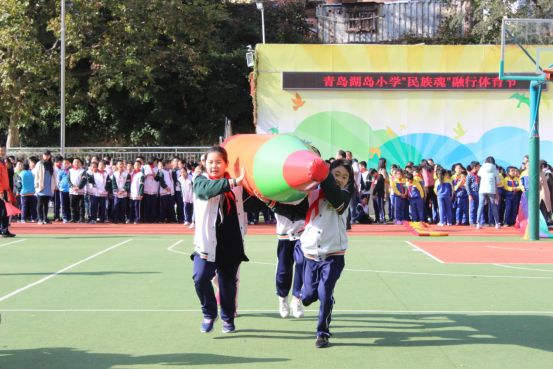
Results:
<point x="314" y="207"/>
<point x="134" y="172"/>
<point x="229" y="195"/>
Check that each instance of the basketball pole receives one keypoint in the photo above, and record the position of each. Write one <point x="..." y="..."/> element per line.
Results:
<point x="534" y="163"/>
<point x="533" y="169"/>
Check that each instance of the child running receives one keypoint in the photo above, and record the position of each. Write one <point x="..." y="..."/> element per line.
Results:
<point x="290" y="260"/>
<point x="218" y="239"/>
<point x="324" y="243"/>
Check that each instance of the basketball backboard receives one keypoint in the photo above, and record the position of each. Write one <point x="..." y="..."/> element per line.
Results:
<point x="526" y="48"/>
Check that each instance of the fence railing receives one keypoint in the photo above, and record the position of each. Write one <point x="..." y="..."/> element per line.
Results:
<point x="189" y="153"/>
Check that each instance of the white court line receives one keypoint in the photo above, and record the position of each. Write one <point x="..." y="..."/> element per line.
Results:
<point x="11" y="243"/>
<point x="523" y="268"/>
<point x="355" y="311"/>
<point x="430" y="274"/>
<point x="517" y="249"/>
<point x="42" y="280"/>
<point x="171" y="248"/>
<point x="423" y="251"/>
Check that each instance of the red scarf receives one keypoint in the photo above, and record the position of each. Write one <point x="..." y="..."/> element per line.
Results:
<point x="134" y="172"/>
<point x="314" y="207"/>
<point x="229" y="195"/>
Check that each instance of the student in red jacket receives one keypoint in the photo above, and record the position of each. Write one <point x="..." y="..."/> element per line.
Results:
<point x="6" y="194"/>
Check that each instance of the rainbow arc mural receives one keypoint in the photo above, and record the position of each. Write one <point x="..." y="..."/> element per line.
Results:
<point x="303" y="89"/>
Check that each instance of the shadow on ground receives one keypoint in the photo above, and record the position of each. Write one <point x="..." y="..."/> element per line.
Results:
<point x="70" y="358"/>
<point x="418" y="330"/>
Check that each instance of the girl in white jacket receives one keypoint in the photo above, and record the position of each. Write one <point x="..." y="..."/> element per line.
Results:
<point x="218" y="238"/>
<point x="324" y="242"/>
<point x="489" y="181"/>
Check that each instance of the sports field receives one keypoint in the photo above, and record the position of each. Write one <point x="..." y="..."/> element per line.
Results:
<point x="92" y="298"/>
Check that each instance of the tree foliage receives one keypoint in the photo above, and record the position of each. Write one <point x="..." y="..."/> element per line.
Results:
<point x="156" y="72"/>
<point x="479" y="21"/>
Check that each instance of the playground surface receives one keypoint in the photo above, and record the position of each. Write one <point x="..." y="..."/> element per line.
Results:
<point x="108" y="296"/>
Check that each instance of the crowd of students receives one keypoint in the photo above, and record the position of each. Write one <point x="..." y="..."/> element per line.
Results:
<point x="475" y="194"/>
<point x="102" y="189"/>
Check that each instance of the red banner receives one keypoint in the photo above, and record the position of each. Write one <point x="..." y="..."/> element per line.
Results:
<point x="398" y="81"/>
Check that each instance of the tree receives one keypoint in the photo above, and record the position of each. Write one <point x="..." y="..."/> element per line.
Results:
<point x="479" y="21"/>
<point x="157" y="72"/>
<point x="26" y="65"/>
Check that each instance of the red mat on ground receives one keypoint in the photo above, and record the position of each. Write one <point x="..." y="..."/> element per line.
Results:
<point x="488" y="252"/>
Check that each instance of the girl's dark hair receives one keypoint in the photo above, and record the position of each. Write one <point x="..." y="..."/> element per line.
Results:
<point x="219" y="150"/>
<point x="26" y="166"/>
<point x="347" y="165"/>
<point x="381" y="163"/>
<point x="442" y="172"/>
<point x="49" y="166"/>
<point x="454" y="165"/>
<point x="490" y="160"/>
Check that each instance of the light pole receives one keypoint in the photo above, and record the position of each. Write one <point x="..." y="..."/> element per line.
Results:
<point x="259" y="4"/>
<point x="62" y="81"/>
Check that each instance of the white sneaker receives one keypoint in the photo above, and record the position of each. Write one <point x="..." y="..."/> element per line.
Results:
<point x="191" y="225"/>
<point x="186" y="223"/>
<point x="497" y="226"/>
<point x="283" y="307"/>
<point x="297" y="307"/>
<point x="478" y="226"/>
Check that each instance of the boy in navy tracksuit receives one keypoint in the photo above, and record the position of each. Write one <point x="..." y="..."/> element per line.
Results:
<point x="290" y="224"/>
